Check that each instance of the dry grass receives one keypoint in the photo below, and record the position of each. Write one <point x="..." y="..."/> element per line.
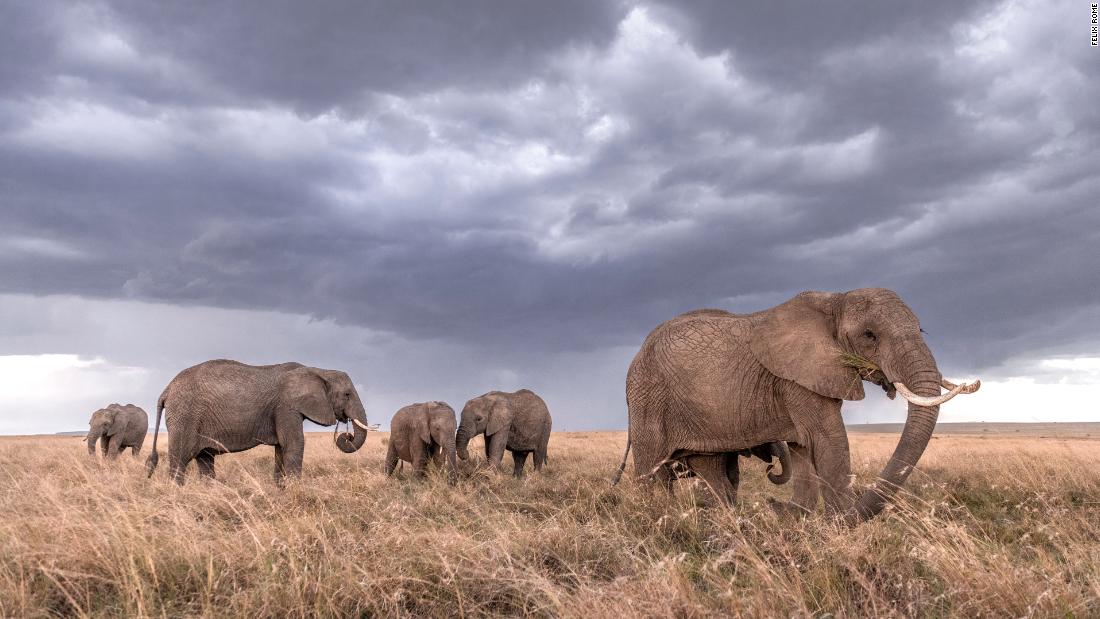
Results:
<point x="989" y="527"/>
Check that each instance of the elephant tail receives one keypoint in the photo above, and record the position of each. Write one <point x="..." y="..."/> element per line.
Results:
<point x="780" y="449"/>
<point x="151" y="461"/>
<point x="622" y="465"/>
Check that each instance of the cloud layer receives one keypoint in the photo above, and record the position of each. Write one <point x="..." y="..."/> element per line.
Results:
<point x="523" y="184"/>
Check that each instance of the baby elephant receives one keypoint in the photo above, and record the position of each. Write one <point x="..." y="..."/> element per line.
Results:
<point x="518" y="422"/>
<point x="422" y="431"/>
<point x="119" y="427"/>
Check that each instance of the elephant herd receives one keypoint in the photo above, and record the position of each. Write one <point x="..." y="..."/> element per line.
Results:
<point x="706" y="388"/>
<point x="224" y="406"/>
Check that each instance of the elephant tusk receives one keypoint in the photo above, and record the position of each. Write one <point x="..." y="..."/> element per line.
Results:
<point x="971" y="388"/>
<point x="934" y="401"/>
<point x="362" y="425"/>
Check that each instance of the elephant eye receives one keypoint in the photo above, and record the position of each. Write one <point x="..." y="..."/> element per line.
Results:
<point x="869" y="334"/>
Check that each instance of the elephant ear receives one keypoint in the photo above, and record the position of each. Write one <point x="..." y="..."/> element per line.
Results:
<point x="424" y="423"/>
<point x="114" y="423"/>
<point x="441" y="419"/>
<point x="797" y="341"/>
<point x="500" y="416"/>
<point x="306" y="393"/>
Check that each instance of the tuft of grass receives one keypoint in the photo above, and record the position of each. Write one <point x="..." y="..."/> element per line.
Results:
<point x="987" y="526"/>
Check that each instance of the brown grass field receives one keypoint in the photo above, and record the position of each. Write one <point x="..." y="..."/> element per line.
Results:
<point x="1001" y="525"/>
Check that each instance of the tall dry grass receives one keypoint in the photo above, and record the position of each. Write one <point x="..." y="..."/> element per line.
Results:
<point x="988" y="527"/>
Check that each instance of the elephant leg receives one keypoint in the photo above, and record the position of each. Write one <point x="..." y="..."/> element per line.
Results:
<point x="822" y="436"/>
<point x="134" y="451"/>
<point x="280" y="465"/>
<point x="116" y="449"/>
<point x="539" y="459"/>
<point x="292" y="458"/>
<point x="105" y="445"/>
<point x="205" y="463"/>
<point x="292" y="441"/>
<point x="419" y="457"/>
<point x="828" y="445"/>
<point x="519" y="458"/>
<point x="732" y="468"/>
<point x="391" y="458"/>
<point x="713" y="468"/>
<point x="177" y="461"/>
<point x="807" y="491"/>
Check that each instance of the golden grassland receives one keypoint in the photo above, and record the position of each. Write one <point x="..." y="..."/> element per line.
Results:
<point x="988" y="526"/>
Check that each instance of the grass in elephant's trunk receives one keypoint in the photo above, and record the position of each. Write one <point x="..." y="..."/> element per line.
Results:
<point x="994" y="526"/>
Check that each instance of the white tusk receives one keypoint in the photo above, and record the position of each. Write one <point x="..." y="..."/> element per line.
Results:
<point x="926" y="401"/>
<point x="360" y="424"/>
<point x="971" y="388"/>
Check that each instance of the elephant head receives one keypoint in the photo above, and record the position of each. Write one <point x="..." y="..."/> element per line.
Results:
<point x="103" y="425"/>
<point x="326" y="397"/>
<point x="810" y="339"/>
<point x="438" y="425"/>
<point x="486" y="414"/>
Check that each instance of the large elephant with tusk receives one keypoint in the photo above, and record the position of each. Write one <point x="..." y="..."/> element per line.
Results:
<point x="224" y="406"/>
<point x="709" y="382"/>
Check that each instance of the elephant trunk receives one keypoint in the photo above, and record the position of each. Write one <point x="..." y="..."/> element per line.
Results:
<point x="781" y="451"/>
<point x="919" y="372"/>
<point x="463" y="440"/>
<point x="92" y="437"/>
<point x="449" y="451"/>
<point x="358" y="417"/>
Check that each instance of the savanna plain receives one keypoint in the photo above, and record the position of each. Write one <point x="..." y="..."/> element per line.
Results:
<point x="1001" y="523"/>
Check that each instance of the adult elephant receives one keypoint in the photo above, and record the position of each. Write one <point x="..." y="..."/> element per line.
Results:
<point x="117" y="427"/>
<point x="709" y="382"/>
<point x="224" y="406"/>
<point x="517" y="421"/>
<point x="419" y="432"/>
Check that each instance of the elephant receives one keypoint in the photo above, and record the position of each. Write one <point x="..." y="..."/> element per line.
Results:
<point x="119" y="427"/>
<point x="225" y="406"/>
<point x="710" y="382"/>
<point x="423" y="431"/>
<point x="769" y="452"/>
<point x="518" y="422"/>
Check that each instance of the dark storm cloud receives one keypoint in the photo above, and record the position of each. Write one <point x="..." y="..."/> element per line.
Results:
<point x="538" y="178"/>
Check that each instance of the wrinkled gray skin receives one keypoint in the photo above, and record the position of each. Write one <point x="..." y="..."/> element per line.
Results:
<point x="419" y="432"/>
<point x="223" y="406"/>
<point x="117" y="427"/>
<point x="709" y="382"/>
<point x="518" y="422"/>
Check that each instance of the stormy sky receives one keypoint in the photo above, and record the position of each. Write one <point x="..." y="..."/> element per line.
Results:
<point x="443" y="198"/>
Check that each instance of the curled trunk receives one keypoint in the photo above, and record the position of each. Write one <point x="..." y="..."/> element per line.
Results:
<point x="350" y="443"/>
<point x="783" y="453"/>
<point x="919" y="373"/>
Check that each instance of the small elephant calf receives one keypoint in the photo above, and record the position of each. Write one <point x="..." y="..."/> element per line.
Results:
<point x="117" y="427"/>
<point x="518" y="422"/>
<point x="422" y="431"/>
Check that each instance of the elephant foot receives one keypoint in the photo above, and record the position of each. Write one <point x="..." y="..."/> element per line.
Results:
<point x="786" y="509"/>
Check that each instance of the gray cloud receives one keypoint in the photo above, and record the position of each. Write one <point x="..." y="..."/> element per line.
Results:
<point x="519" y="184"/>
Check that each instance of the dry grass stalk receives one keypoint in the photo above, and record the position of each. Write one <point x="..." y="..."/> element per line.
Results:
<point x="989" y="526"/>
